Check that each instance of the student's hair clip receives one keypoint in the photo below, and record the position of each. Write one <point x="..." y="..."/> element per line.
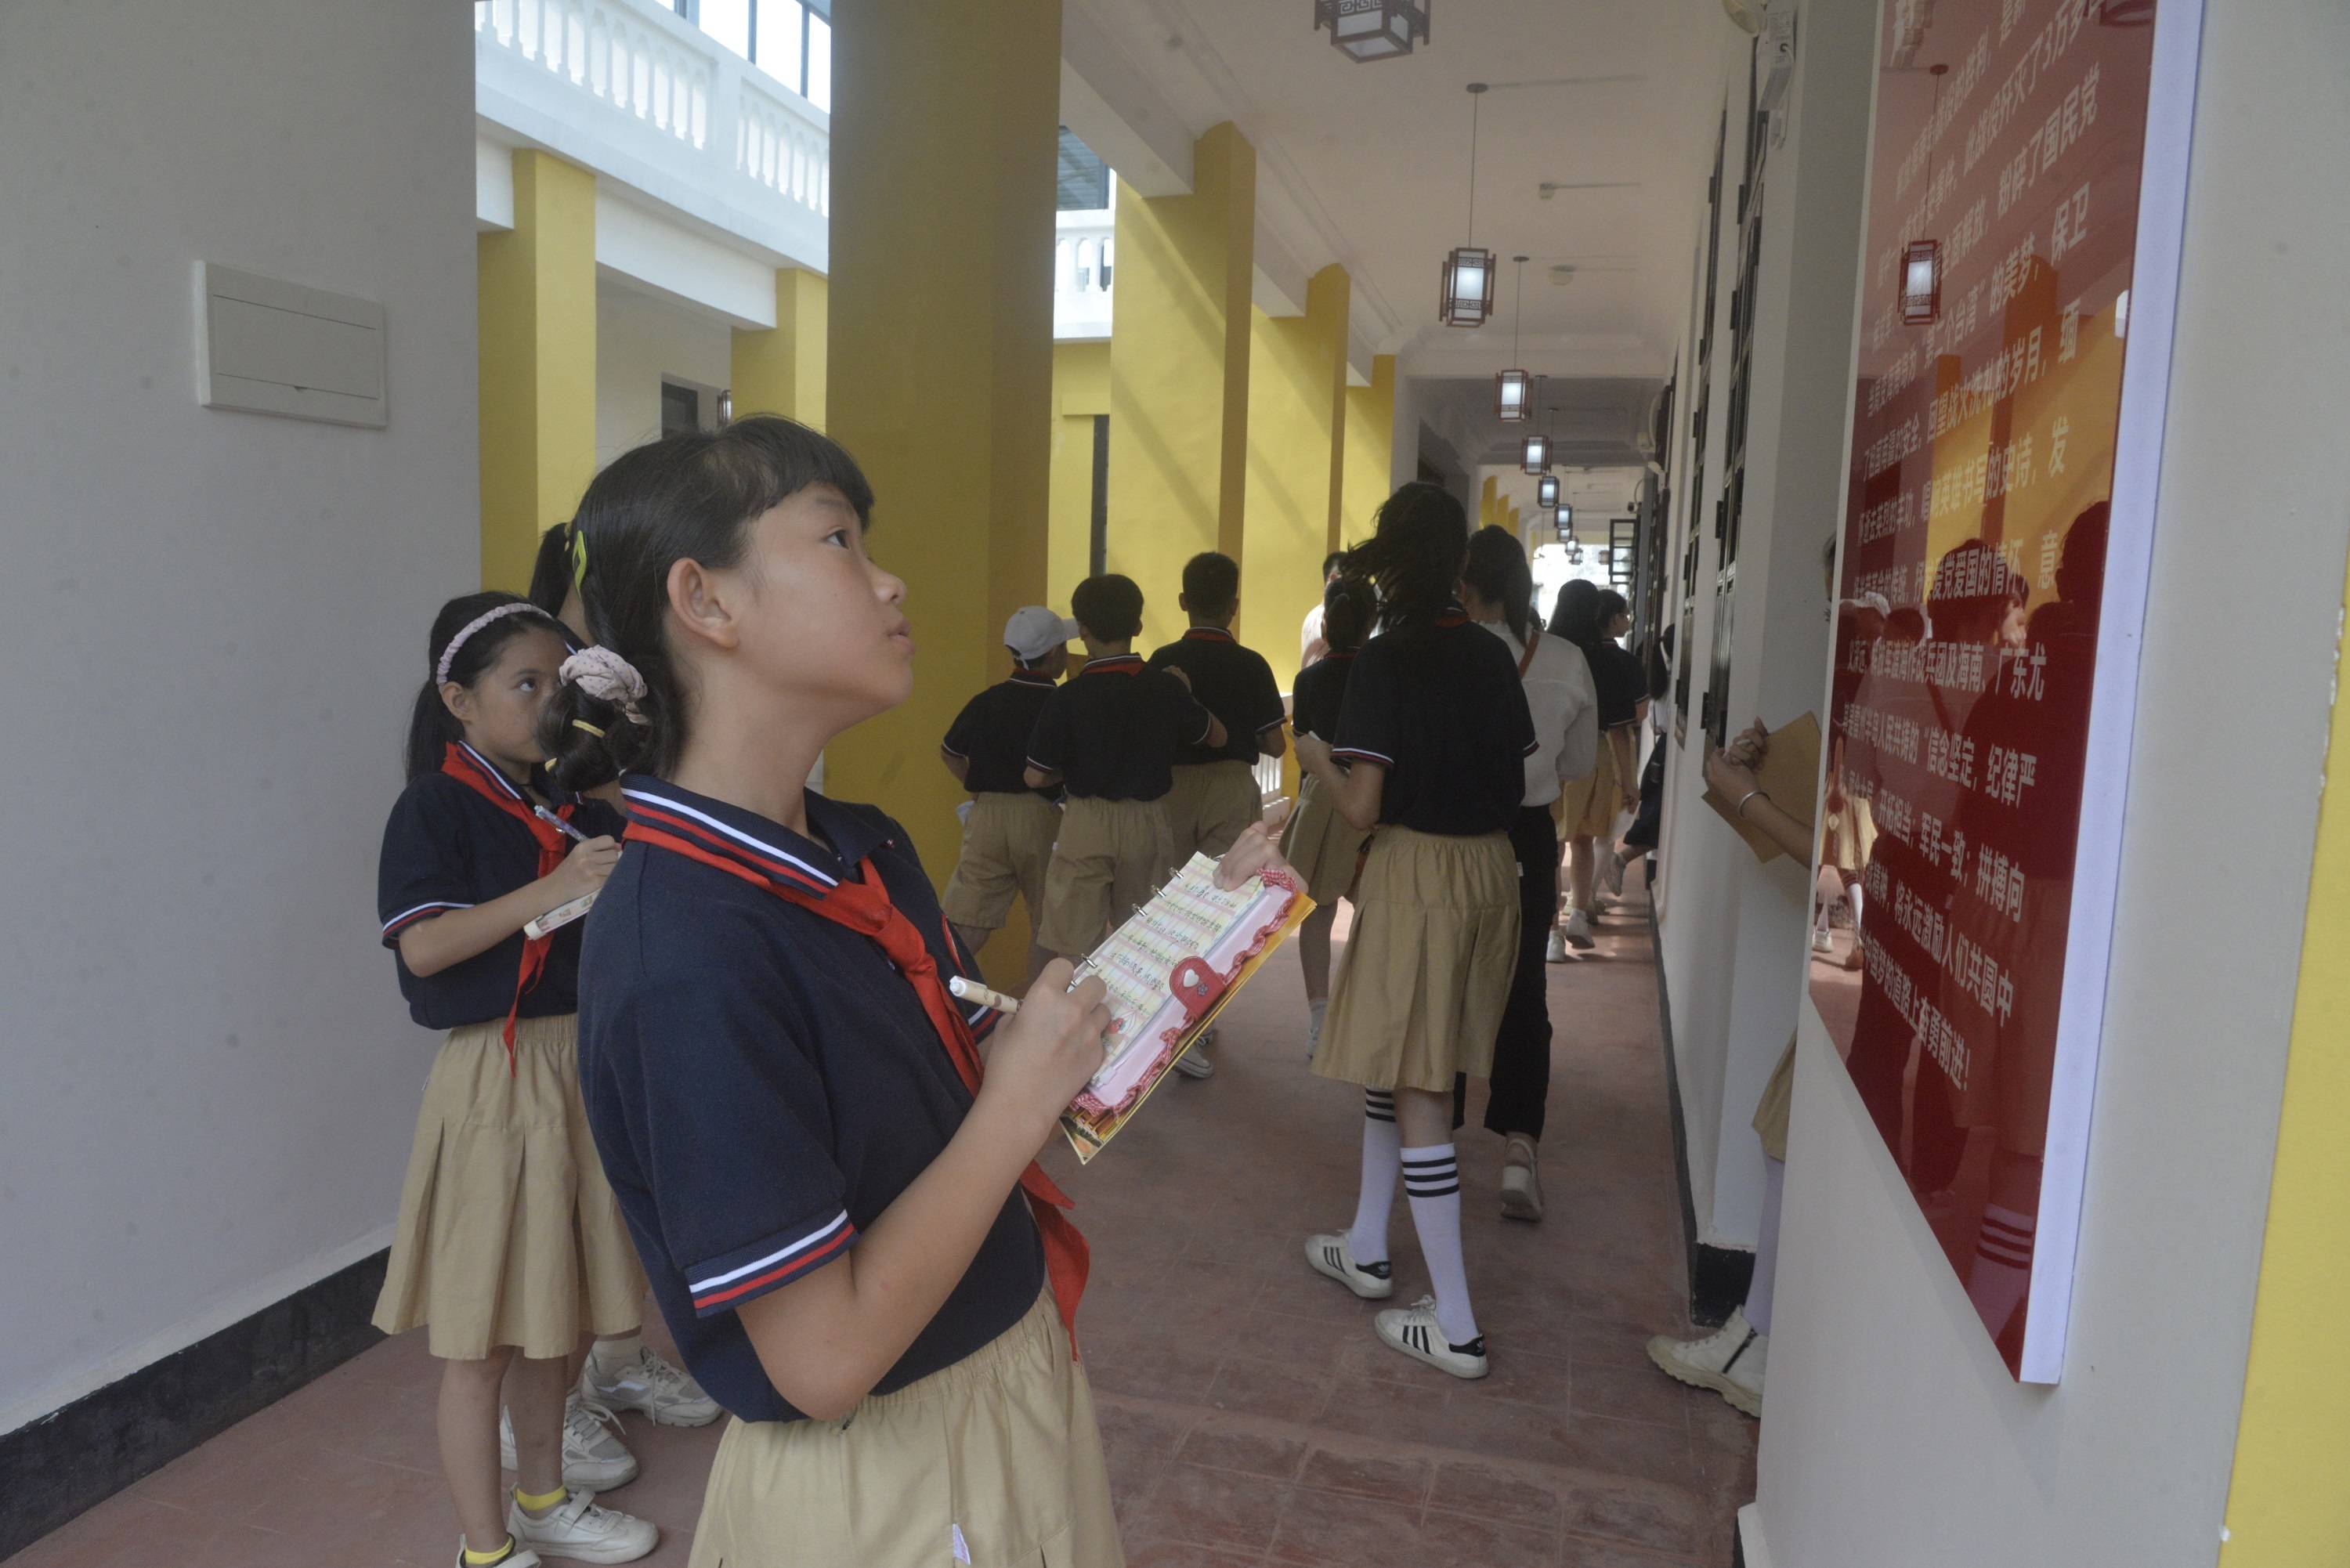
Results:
<point x="584" y="725"/>
<point x="579" y="557"/>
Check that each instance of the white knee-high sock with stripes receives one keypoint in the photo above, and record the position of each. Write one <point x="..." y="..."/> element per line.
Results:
<point x="1431" y="1180"/>
<point x="1382" y="1150"/>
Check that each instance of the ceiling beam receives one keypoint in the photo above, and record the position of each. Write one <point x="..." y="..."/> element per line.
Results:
<point x="1117" y="110"/>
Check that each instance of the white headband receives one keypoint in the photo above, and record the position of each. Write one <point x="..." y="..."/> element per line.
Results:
<point x="449" y="654"/>
<point x="602" y="673"/>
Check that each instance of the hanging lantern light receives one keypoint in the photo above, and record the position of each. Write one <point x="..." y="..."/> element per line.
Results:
<point x="1563" y="517"/>
<point x="1468" y="292"/>
<point x="1536" y="455"/>
<point x="1367" y="30"/>
<point x="1546" y="490"/>
<point x="1921" y="282"/>
<point x="1510" y="388"/>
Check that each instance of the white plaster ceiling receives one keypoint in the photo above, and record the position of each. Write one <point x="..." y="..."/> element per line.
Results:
<point x="1614" y="100"/>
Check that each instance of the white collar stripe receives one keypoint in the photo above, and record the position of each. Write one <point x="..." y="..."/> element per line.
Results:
<point x="420" y="909"/>
<point x="663" y="801"/>
<point x="496" y="775"/>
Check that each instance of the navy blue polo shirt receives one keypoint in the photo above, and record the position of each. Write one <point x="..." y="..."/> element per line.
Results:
<point x="992" y="734"/>
<point x="762" y="1083"/>
<point x="1232" y="682"/>
<point x="1111" y="731"/>
<point x="445" y="848"/>
<point x="1321" y="688"/>
<point x="1439" y="705"/>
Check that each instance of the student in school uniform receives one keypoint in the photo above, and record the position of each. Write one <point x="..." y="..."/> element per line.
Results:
<point x="1432" y="743"/>
<point x="1007" y="837"/>
<point x="1313" y="643"/>
<point x="622" y="1372"/>
<point x="1215" y="795"/>
<point x="1592" y="617"/>
<point x="1108" y="737"/>
<point x="509" y="1249"/>
<point x="841" y="1215"/>
<point x="1497" y="588"/>
<point x="1323" y="846"/>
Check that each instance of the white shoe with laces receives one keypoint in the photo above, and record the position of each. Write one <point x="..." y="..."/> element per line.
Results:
<point x="1556" y="952"/>
<point x="1193" y="1063"/>
<point x="1415" y="1331"/>
<point x="654" y="1387"/>
<point x="1729" y="1361"/>
<point x="594" y="1457"/>
<point x="1329" y="1253"/>
<point x="520" y="1557"/>
<point x="1577" y="930"/>
<point x="1521" y="1180"/>
<point x="584" y="1532"/>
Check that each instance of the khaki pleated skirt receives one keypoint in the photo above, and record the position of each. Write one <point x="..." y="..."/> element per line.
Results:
<point x="1587" y="806"/>
<point x="508" y="1233"/>
<point x="995" y="1462"/>
<point x="1320" y="843"/>
<point x="1778" y="1099"/>
<point x="1419" y="993"/>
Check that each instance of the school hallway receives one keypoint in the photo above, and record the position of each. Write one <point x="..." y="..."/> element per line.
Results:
<point x="1249" y="1414"/>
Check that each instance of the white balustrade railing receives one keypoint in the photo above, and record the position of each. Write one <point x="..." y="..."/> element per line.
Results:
<point x="1084" y="259"/>
<point x="630" y="89"/>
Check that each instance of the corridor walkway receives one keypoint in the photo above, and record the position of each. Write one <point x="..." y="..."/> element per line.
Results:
<point x="1251" y="1417"/>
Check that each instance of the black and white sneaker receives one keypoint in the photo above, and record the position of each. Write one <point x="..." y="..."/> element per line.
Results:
<point x="1413" y="1329"/>
<point x="1329" y="1254"/>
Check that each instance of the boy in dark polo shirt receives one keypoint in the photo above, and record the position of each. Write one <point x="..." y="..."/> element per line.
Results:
<point x="1109" y="738"/>
<point x="1214" y="796"/>
<point x="1009" y="829"/>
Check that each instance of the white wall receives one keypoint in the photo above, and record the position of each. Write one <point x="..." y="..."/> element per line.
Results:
<point x="639" y="340"/>
<point x="1894" y="1435"/>
<point x="213" y="622"/>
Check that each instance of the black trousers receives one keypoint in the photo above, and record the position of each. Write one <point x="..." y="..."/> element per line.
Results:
<point x="1520" y="1083"/>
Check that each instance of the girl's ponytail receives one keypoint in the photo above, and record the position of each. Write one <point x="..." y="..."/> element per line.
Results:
<point x="1415" y="553"/>
<point x="596" y="727"/>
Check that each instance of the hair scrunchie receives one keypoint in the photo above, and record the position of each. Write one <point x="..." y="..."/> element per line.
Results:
<point x="602" y="673"/>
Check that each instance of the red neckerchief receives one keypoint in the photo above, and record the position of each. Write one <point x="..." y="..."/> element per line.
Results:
<point x="476" y="772"/>
<point x="865" y="908"/>
<point x="1114" y="664"/>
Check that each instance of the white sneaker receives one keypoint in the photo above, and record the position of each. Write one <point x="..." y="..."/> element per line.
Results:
<point x="1329" y="1254"/>
<point x="1520" y="1181"/>
<point x="1556" y="952"/>
<point x="1193" y="1063"/>
<point x="653" y="1387"/>
<point x="1577" y="930"/>
<point x="520" y="1557"/>
<point x="594" y="1457"/>
<point x="1413" y="1329"/>
<point x="582" y="1531"/>
<point x="1821" y="941"/>
<point x="1729" y="1361"/>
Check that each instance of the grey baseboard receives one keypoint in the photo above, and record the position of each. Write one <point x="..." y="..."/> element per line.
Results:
<point x="79" y="1456"/>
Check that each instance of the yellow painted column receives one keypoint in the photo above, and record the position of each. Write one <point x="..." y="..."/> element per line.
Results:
<point x="2286" y="1505"/>
<point x="1080" y="398"/>
<point x="1297" y="430"/>
<point x="1489" y="505"/>
<point x="780" y="370"/>
<point x="1369" y="456"/>
<point x="940" y="359"/>
<point x="536" y="286"/>
<point x="1179" y="368"/>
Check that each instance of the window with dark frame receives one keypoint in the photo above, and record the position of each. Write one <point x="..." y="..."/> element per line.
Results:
<point x="791" y="40"/>
<point x="680" y="408"/>
<point x="1084" y="181"/>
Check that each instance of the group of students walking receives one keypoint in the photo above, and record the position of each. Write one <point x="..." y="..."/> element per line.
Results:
<point x="742" y="1085"/>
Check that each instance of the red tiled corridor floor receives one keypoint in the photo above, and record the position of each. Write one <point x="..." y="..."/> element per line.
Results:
<point x="1251" y="1416"/>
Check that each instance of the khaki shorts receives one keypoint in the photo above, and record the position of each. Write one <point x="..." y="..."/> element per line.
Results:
<point x="1006" y="845"/>
<point x="995" y="1461"/>
<point x="1418" y="996"/>
<point x="1211" y="804"/>
<point x="1111" y="856"/>
<point x="508" y="1234"/>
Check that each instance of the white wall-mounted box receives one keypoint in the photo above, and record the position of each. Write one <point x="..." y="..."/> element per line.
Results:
<point x="269" y="346"/>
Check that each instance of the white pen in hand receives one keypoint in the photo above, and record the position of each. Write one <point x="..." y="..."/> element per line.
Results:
<point x="971" y="990"/>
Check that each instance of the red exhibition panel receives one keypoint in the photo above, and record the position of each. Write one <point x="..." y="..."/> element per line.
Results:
<point x="2021" y="250"/>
